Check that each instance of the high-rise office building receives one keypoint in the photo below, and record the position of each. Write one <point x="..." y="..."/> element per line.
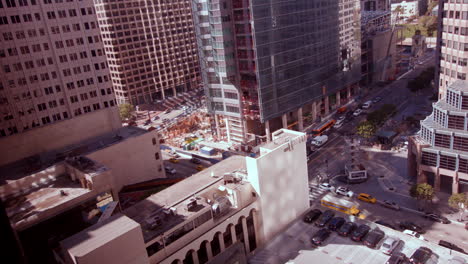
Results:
<point x="150" y="47"/>
<point x="451" y="49"/>
<point x="53" y="69"/>
<point x="267" y="64"/>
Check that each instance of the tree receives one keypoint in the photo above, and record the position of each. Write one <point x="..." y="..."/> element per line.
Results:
<point x="366" y="129"/>
<point x="422" y="192"/>
<point x="459" y="201"/>
<point x="126" y="111"/>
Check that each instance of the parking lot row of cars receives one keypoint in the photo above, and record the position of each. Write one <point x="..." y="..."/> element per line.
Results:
<point x="372" y="238"/>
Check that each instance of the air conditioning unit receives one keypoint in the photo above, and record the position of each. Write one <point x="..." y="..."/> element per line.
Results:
<point x="192" y="204"/>
<point x="154" y="222"/>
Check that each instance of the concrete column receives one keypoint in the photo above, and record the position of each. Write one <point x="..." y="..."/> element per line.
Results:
<point x="175" y="91"/>
<point x="437" y="181"/>
<point x="246" y="235"/>
<point x="267" y="130"/>
<point x="258" y="232"/>
<point x="300" y="120"/>
<point x="233" y="234"/>
<point x="284" y="119"/>
<point x="314" y="111"/>
<point x="327" y="105"/>
<point x="209" y="251"/>
<point x="228" y="134"/>
<point x="338" y="99"/>
<point x="195" y="257"/>
<point x="221" y="242"/>
<point x="348" y="92"/>
<point x="455" y="183"/>
<point x="218" y="131"/>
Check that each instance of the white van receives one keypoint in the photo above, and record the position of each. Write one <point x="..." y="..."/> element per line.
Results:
<point x="367" y="105"/>
<point x="320" y="140"/>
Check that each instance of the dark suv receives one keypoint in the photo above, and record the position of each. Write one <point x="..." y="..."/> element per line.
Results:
<point x="359" y="233"/>
<point x="421" y="255"/>
<point x="312" y="216"/>
<point x="411" y="226"/>
<point x="437" y="218"/>
<point x="373" y="238"/>
<point x="336" y="223"/>
<point x="324" y="218"/>
<point x="346" y="229"/>
<point x="320" y="236"/>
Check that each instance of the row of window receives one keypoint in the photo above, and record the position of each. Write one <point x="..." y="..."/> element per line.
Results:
<point x="455" y="45"/>
<point x="463" y="31"/>
<point x="454" y="59"/>
<point x="12" y="3"/>
<point x="453" y="73"/>
<point x="455" y="14"/>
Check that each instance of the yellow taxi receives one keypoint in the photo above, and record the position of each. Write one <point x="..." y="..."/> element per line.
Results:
<point x="199" y="168"/>
<point x="173" y="160"/>
<point x="366" y="198"/>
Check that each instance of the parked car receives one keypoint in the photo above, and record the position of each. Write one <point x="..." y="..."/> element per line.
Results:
<point x="437" y="218"/>
<point x="195" y="160"/>
<point x="167" y="111"/>
<point x="320" y="236"/>
<point x="389" y="244"/>
<point x="173" y="160"/>
<point x="366" y="198"/>
<point x="147" y="122"/>
<point x="327" y="186"/>
<point x="336" y="223"/>
<point x="411" y="226"/>
<point x="376" y="99"/>
<point x="357" y="112"/>
<point x="360" y="232"/>
<point x="390" y="204"/>
<point x="397" y="258"/>
<point x="373" y="238"/>
<point x="421" y="255"/>
<point x="155" y="118"/>
<point x="165" y="120"/>
<point x="380" y="222"/>
<point x="170" y="170"/>
<point x="346" y="229"/>
<point x="457" y="260"/>
<point x="367" y="105"/>
<point x="413" y="234"/>
<point x="312" y="216"/>
<point x="452" y="246"/>
<point x="344" y="191"/>
<point x="324" y="218"/>
<point x="199" y="168"/>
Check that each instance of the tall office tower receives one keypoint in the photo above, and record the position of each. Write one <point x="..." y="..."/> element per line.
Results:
<point x="267" y="64"/>
<point x="53" y="68"/>
<point x="150" y="47"/>
<point x="375" y="5"/>
<point x="451" y="47"/>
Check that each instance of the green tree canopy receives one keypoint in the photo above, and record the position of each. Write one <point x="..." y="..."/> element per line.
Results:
<point x="457" y="199"/>
<point x="422" y="191"/>
<point x="366" y="129"/>
<point x="126" y="111"/>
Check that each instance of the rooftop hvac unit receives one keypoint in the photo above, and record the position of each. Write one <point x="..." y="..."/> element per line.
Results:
<point x="192" y="204"/>
<point x="170" y="211"/>
<point x="154" y="223"/>
<point x="221" y="205"/>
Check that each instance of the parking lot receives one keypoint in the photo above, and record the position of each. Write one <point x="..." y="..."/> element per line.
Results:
<point x="294" y="245"/>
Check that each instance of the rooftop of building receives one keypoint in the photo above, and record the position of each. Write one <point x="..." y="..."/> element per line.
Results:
<point x="178" y="196"/>
<point x="367" y="16"/>
<point x="30" y="165"/>
<point x="459" y="85"/>
<point x="282" y="136"/>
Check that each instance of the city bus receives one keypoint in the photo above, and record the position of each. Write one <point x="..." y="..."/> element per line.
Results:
<point x="322" y="128"/>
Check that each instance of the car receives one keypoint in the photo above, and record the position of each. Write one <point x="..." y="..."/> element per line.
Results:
<point x="167" y="111"/>
<point x="411" y="226"/>
<point x="195" y="161"/>
<point x="413" y="234"/>
<point x="324" y="218"/>
<point x="452" y="246"/>
<point x="155" y="118"/>
<point x="390" y="204"/>
<point x="147" y="122"/>
<point x="389" y="244"/>
<point x="357" y="112"/>
<point x="457" y="260"/>
<point x="165" y="120"/>
<point x="344" y="191"/>
<point x="311" y="216"/>
<point x="341" y="118"/>
<point x="376" y="99"/>
<point x="173" y="160"/>
<point x="336" y="223"/>
<point x="170" y="170"/>
<point x="367" y="105"/>
<point x="346" y="229"/>
<point x="338" y="124"/>
<point x="373" y="238"/>
<point x="327" y="186"/>
<point x="360" y="232"/>
<point x="366" y="198"/>
<point x="437" y="218"/>
<point x="321" y="235"/>
<point x="380" y="222"/>
<point x="397" y="258"/>
<point x="421" y="255"/>
<point x="199" y="168"/>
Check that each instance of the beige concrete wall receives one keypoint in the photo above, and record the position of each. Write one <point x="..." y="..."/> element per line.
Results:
<point x="132" y="160"/>
<point x="59" y="134"/>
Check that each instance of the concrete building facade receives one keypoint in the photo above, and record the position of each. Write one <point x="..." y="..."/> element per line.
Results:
<point x="150" y="47"/>
<point x="53" y="65"/>
<point x="220" y="215"/>
<point x="300" y="58"/>
<point x="438" y="155"/>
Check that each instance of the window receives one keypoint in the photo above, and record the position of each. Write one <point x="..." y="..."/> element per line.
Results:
<point x="429" y="159"/>
<point x="156" y="155"/>
<point x="447" y="162"/>
<point x="460" y="143"/>
<point x="41" y="107"/>
<point x="442" y="140"/>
